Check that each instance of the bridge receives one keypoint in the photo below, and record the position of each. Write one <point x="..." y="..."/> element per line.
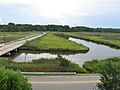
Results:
<point x="14" y="45"/>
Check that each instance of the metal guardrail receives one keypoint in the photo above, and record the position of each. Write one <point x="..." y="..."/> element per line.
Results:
<point x="50" y="73"/>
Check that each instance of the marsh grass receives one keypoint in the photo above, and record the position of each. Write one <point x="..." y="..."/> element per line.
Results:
<point x="51" y="42"/>
<point x="58" y="64"/>
<point x="95" y="66"/>
<point x="110" y="39"/>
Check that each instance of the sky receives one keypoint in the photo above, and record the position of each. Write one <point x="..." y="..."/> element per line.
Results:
<point x="93" y="13"/>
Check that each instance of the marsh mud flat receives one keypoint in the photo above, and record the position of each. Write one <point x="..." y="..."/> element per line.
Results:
<point x="96" y="51"/>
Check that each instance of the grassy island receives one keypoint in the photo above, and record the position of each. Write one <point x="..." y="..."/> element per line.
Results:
<point x="51" y="42"/>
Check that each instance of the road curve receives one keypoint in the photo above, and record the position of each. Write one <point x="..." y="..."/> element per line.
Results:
<point x="63" y="82"/>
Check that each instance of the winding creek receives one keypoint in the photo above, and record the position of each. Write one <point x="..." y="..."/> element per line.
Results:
<point x="97" y="51"/>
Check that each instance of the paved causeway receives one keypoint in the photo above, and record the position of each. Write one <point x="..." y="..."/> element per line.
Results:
<point x="10" y="46"/>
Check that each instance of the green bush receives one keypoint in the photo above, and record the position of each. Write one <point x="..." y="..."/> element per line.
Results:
<point x="91" y="66"/>
<point x="11" y="80"/>
<point x="94" y="66"/>
<point x="110" y="77"/>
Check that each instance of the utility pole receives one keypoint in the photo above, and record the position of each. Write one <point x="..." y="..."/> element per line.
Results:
<point x="4" y="39"/>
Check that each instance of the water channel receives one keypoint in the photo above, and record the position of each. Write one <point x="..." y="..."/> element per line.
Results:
<point x="97" y="51"/>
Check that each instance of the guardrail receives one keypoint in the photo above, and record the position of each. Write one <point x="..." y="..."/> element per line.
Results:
<point x="50" y="73"/>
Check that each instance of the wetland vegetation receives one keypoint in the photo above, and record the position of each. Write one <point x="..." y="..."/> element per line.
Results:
<point x="95" y="66"/>
<point x="110" y="39"/>
<point x="51" y="42"/>
<point x="58" y="64"/>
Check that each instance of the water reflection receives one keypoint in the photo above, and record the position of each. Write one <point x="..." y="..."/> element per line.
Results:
<point x="28" y="57"/>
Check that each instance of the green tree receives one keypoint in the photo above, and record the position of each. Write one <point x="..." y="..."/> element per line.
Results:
<point x="11" y="80"/>
<point x="110" y="77"/>
<point x="10" y="23"/>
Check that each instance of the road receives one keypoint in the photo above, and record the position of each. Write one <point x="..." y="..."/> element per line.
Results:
<point x="16" y="44"/>
<point x="63" y="82"/>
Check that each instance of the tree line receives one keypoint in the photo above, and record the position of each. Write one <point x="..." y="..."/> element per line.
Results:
<point x="12" y="27"/>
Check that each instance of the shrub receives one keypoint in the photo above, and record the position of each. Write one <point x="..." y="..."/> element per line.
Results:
<point x="110" y="77"/>
<point x="11" y="80"/>
<point x="94" y="66"/>
<point x="91" y="66"/>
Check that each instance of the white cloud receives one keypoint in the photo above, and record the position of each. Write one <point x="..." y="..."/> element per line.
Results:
<point x="66" y="7"/>
<point x="63" y="11"/>
<point x="15" y="1"/>
<point x="55" y="7"/>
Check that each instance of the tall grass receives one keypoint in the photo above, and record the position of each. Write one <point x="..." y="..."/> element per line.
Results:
<point x="58" y="64"/>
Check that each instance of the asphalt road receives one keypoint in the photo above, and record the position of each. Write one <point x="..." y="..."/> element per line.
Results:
<point x="63" y="82"/>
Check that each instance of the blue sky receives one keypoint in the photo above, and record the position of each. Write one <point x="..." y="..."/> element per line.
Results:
<point x="93" y="13"/>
